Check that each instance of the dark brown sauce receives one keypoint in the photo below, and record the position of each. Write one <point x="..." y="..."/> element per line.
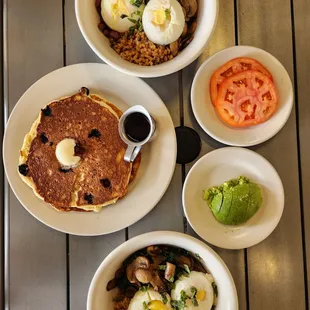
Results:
<point x="137" y="127"/>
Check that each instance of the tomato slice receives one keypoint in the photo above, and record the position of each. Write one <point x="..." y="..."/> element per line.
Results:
<point x="232" y="67"/>
<point x="247" y="98"/>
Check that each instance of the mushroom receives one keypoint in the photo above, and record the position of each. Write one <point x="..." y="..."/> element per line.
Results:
<point x="174" y="47"/>
<point x="153" y="250"/>
<point x="184" y="260"/>
<point x="112" y="284"/>
<point x="170" y="272"/>
<point x="157" y="282"/>
<point x="184" y="30"/>
<point x="192" y="27"/>
<point x="157" y="260"/>
<point x="130" y="292"/>
<point x="143" y="275"/>
<point x="190" y="7"/>
<point x="140" y="262"/>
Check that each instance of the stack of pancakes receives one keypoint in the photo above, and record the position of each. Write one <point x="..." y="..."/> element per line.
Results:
<point x="101" y="177"/>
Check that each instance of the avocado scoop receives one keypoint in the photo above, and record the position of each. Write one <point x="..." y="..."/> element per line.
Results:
<point x="235" y="201"/>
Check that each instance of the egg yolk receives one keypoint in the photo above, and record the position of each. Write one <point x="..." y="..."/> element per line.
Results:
<point x="159" y="17"/>
<point x="200" y="295"/>
<point x="119" y="8"/>
<point x="157" y="305"/>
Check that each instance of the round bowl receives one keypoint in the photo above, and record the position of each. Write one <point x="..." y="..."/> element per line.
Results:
<point x="88" y="20"/>
<point x="99" y="298"/>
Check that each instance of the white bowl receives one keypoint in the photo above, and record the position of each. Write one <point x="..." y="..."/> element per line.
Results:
<point x="88" y="20"/>
<point x="99" y="298"/>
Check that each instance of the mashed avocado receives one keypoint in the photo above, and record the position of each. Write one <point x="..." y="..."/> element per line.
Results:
<point x="235" y="201"/>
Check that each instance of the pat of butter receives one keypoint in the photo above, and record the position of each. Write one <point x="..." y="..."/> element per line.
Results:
<point x="159" y="17"/>
<point x="119" y="8"/>
<point x="65" y="153"/>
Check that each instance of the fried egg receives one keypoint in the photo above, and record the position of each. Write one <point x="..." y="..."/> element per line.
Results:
<point x="197" y="285"/>
<point x="120" y="14"/>
<point x="163" y="21"/>
<point x="150" y="299"/>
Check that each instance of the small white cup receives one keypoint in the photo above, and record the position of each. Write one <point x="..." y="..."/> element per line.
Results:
<point x="133" y="148"/>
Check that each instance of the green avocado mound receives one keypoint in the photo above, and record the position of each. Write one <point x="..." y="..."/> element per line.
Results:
<point x="235" y="201"/>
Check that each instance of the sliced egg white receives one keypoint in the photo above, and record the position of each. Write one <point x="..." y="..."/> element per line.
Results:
<point x="153" y="300"/>
<point x="118" y="14"/>
<point x="199" y="282"/>
<point x="163" y="21"/>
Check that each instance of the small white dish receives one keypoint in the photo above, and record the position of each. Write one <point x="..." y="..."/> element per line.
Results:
<point x="88" y="19"/>
<point x="153" y="176"/>
<point x="222" y="165"/>
<point x="99" y="298"/>
<point x="206" y="115"/>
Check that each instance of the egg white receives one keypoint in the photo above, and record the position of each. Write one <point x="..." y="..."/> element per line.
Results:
<point x="200" y="281"/>
<point x="112" y="10"/>
<point x="136" y="302"/>
<point x="171" y="30"/>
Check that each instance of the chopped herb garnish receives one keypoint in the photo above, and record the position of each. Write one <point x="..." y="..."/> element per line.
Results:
<point x="136" y="3"/>
<point x="193" y="298"/>
<point x="162" y="267"/>
<point x="194" y="301"/>
<point x="194" y="290"/>
<point x="164" y="297"/>
<point x="134" y="21"/>
<point x="187" y="269"/>
<point x="171" y="279"/>
<point x="123" y="16"/>
<point x="183" y="295"/>
<point x="144" y="288"/>
<point x="168" y="14"/>
<point x="197" y="255"/>
<point x="145" y="307"/>
<point x="215" y="290"/>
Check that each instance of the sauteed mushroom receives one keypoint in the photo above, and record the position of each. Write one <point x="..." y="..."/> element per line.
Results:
<point x="174" y="47"/>
<point x="190" y="7"/>
<point x="170" y="272"/>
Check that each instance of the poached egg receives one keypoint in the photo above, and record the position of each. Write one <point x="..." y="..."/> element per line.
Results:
<point x="120" y="14"/>
<point x="151" y="300"/>
<point x="197" y="286"/>
<point x="163" y="21"/>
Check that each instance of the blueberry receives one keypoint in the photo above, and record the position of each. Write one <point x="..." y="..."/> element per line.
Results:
<point x="106" y="183"/>
<point x="43" y="138"/>
<point x="47" y="111"/>
<point x="89" y="198"/>
<point x="94" y="133"/>
<point x="84" y="91"/>
<point x="23" y="169"/>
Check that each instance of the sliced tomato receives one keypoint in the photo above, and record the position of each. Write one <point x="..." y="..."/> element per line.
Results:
<point x="232" y="67"/>
<point x="247" y="98"/>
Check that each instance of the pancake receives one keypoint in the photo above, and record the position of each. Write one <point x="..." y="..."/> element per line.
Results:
<point x="100" y="178"/>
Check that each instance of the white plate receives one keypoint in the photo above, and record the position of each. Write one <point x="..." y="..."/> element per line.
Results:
<point x="99" y="298"/>
<point x="206" y="115"/>
<point x="158" y="157"/>
<point x="217" y="167"/>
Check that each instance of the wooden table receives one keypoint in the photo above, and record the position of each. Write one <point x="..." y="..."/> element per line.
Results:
<point x="43" y="269"/>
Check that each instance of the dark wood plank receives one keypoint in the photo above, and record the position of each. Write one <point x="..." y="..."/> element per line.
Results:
<point x="37" y="254"/>
<point x="302" y="44"/>
<point x="86" y="253"/>
<point x="223" y="37"/>
<point x="275" y="266"/>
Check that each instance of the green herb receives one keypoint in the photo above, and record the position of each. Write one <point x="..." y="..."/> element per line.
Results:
<point x="171" y="279"/>
<point x="162" y="267"/>
<point x="164" y="297"/>
<point x="132" y="30"/>
<point x="136" y="3"/>
<point x="215" y="290"/>
<point x="194" y="290"/>
<point x="144" y="288"/>
<point x="178" y="304"/>
<point x="138" y="13"/>
<point x="187" y="269"/>
<point x="168" y="14"/>
<point x="134" y="21"/>
<point x="145" y="306"/>
<point x="194" y="301"/>
<point x="183" y="295"/>
<point x="197" y="255"/>
<point x="123" y="16"/>
<point x="193" y="298"/>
